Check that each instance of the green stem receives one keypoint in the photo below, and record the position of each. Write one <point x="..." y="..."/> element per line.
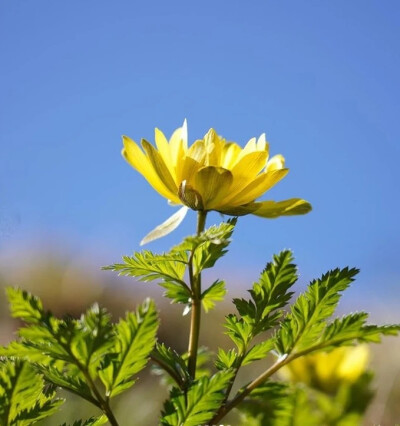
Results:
<point x="241" y="395"/>
<point x="103" y="404"/>
<point x="195" y="285"/>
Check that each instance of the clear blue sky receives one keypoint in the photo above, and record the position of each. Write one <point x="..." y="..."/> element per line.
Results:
<point x="320" y="78"/>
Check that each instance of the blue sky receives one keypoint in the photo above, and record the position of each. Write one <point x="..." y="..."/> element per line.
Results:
<point x="320" y="78"/>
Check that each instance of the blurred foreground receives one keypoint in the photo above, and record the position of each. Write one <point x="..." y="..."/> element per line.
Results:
<point x="68" y="286"/>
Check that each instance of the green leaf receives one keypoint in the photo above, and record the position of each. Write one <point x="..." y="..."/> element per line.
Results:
<point x="307" y="318"/>
<point x="24" y="306"/>
<point x="177" y="292"/>
<point x="171" y="362"/>
<point x="134" y="340"/>
<point x="201" y="402"/>
<point x="258" y="351"/>
<point x="23" y="399"/>
<point x="239" y="331"/>
<point x="214" y="293"/>
<point x="68" y="377"/>
<point x="93" y="421"/>
<point x="265" y="405"/>
<point x="226" y="359"/>
<point x="269" y="294"/>
<point x="169" y="268"/>
<point x="351" y="328"/>
<point x="209" y="246"/>
<point x="93" y="338"/>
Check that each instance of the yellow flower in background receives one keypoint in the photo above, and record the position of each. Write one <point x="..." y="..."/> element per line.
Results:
<point x="326" y="371"/>
<point x="211" y="174"/>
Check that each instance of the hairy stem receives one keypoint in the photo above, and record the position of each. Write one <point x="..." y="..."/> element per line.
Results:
<point x="195" y="285"/>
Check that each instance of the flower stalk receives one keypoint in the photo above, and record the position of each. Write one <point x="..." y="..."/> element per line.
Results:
<point x="195" y="286"/>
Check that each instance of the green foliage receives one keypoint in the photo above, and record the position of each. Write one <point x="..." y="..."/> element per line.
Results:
<point x="226" y="359"/>
<point x="24" y="399"/>
<point x="73" y="354"/>
<point x="171" y="362"/>
<point x="134" y="340"/>
<point x="198" y="405"/>
<point x="148" y="266"/>
<point x="209" y="246"/>
<point x="97" y="359"/>
<point x="262" y="312"/>
<point x="215" y="293"/>
<point x="93" y="421"/>
<point x="239" y="331"/>
<point x="266" y="405"/>
<point x="258" y="351"/>
<point x="269" y="294"/>
<point x="307" y="318"/>
<point x="306" y="328"/>
<point x="352" y="327"/>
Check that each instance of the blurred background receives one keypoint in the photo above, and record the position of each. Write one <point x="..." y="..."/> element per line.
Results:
<point x="320" y="78"/>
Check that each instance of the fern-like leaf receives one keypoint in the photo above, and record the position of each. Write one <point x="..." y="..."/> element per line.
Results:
<point x="134" y="340"/>
<point x="23" y="400"/>
<point x="199" y="405"/>
<point x="307" y="318"/>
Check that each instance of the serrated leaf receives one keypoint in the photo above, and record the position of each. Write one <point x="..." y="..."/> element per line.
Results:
<point x="25" y="306"/>
<point x="226" y="359"/>
<point x="345" y="328"/>
<point x="134" y="340"/>
<point x="239" y="331"/>
<point x="172" y="363"/>
<point x="177" y="292"/>
<point x="214" y="293"/>
<point x="93" y="421"/>
<point x="209" y="246"/>
<point x="168" y="268"/>
<point x="23" y="400"/>
<point x="202" y="400"/>
<point x="307" y="318"/>
<point x="93" y="338"/>
<point x="269" y="294"/>
<point x="258" y="351"/>
<point x="69" y="378"/>
<point x="265" y="405"/>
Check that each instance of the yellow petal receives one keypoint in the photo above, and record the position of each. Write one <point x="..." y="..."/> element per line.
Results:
<point x="188" y="170"/>
<point x="257" y="188"/>
<point x="276" y="162"/>
<point x="273" y="209"/>
<point x="262" y="144"/>
<point x="138" y="160"/>
<point x="178" y="144"/>
<point x="250" y="146"/>
<point x="249" y="166"/>
<point x="164" y="150"/>
<point x="244" y="172"/>
<point x="193" y="160"/>
<point x="230" y="155"/>
<point x="239" y="210"/>
<point x="159" y="166"/>
<point x="212" y="183"/>
<point x="213" y="147"/>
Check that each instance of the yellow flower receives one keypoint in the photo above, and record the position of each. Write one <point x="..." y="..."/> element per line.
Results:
<point x="212" y="174"/>
<point x="326" y="371"/>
